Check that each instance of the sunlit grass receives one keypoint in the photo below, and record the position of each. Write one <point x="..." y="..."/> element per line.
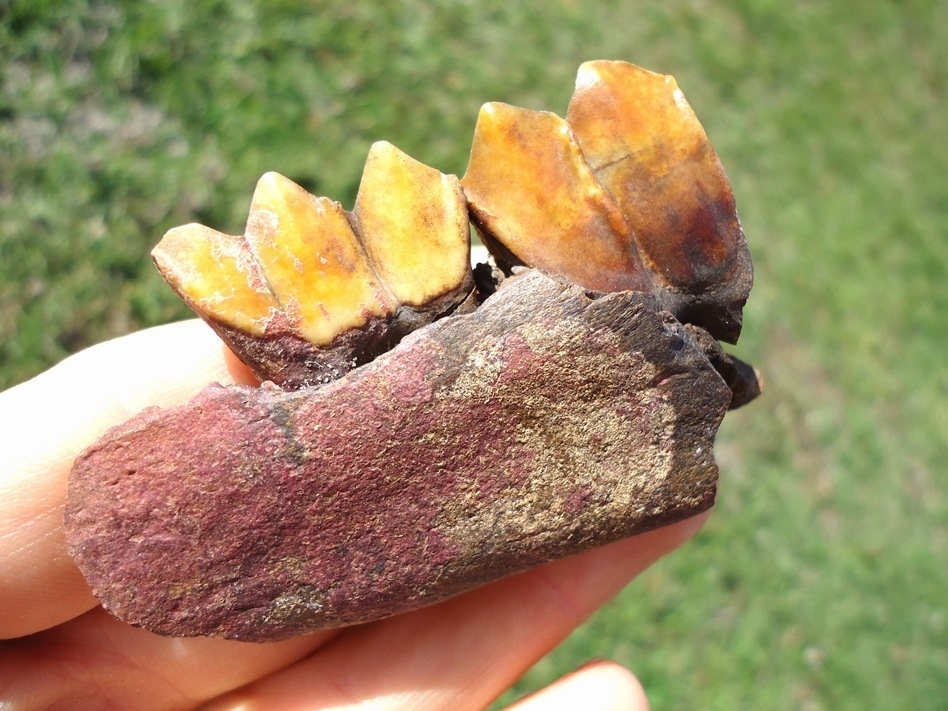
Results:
<point x="820" y="581"/>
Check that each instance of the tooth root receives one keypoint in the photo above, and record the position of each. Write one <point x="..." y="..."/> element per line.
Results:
<point x="646" y="146"/>
<point x="313" y="261"/>
<point x="413" y="223"/>
<point x="217" y="275"/>
<point x="529" y="188"/>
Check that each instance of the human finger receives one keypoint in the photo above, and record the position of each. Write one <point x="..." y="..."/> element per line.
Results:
<point x="599" y="686"/>
<point x="48" y="420"/>
<point x="459" y="654"/>
<point x="94" y="661"/>
<point x="463" y="653"/>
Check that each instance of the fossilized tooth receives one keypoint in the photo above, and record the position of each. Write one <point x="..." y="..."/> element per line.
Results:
<point x="626" y="193"/>
<point x="547" y="422"/>
<point x="414" y="226"/>
<point x="530" y="189"/>
<point x="311" y="291"/>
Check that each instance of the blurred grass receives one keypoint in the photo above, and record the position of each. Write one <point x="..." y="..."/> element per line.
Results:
<point x="821" y="581"/>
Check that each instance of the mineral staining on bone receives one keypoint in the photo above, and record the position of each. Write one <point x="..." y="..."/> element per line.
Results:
<point x="544" y="423"/>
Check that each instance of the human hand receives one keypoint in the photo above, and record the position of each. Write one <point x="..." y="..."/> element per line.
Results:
<point x="63" y="650"/>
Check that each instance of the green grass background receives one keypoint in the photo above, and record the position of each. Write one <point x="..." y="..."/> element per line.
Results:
<point x="822" y="580"/>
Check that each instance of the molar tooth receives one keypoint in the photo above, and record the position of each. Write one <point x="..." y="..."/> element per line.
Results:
<point x="647" y="147"/>
<point x="531" y="191"/>
<point x="312" y="291"/>
<point x="625" y="193"/>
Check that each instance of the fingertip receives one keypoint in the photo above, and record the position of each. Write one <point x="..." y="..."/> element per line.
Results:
<point x="48" y="420"/>
<point x="689" y="528"/>
<point x="599" y="685"/>
<point x="238" y="370"/>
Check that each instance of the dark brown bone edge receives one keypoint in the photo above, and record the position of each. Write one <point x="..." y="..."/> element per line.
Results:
<point x="543" y="424"/>
<point x="744" y="380"/>
<point x="292" y="362"/>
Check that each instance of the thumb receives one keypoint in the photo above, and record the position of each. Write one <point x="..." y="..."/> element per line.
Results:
<point x="45" y="422"/>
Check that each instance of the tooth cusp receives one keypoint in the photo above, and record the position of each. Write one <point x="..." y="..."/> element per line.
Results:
<point x="311" y="291"/>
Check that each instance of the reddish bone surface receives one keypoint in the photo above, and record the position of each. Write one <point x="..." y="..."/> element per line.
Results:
<point x="544" y="423"/>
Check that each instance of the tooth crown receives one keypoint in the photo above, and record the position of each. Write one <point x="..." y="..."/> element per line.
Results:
<point x="624" y="194"/>
<point x="529" y="188"/>
<point x="312" y="261"/>
<point x="412" y="219"/>
<point x="217" y="273"/>
<point x="320" y="290"/>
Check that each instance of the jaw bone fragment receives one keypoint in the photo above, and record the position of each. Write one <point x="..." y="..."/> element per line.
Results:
<point x="427" y="431"/>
